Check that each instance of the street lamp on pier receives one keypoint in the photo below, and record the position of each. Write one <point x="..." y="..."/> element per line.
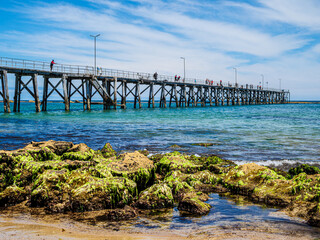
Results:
<point x="95" y="52"/>
<point x="262" y="77"/>
<point x="184" y="68"/>
<point x="235" y="75"/>
<point x="267" y="85"/>
<point x="280" y="83"/>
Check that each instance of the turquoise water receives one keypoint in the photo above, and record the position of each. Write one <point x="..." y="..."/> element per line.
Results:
<point x="262" y="133"/>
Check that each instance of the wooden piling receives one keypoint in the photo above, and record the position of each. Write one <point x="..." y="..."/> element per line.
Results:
<point x="65" y="92"/>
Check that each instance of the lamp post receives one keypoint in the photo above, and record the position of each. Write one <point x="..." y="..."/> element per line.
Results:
<point x="262" y="76"/>
<point x="95" y="52"/>
<point x="280" y="83"/>
<point x="184" y="69"/>
<point x="235" y="75"/>
<point x="267" y="85"/>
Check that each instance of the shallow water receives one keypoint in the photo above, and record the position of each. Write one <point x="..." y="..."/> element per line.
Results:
<point x="262" y="133"/>
<point x="228" y="217"/>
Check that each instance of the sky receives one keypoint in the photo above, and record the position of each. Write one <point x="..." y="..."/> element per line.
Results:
<point x="278" y="39"/>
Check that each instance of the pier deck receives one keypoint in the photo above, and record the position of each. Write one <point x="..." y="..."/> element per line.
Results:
<point x="114" y="87"/>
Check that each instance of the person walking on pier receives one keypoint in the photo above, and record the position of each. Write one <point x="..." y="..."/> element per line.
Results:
<point x="51" y="65"/>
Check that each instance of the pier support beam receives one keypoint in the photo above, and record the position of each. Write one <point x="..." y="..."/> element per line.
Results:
<point x="88" y="94"/>
<point x="17" y="90"/>
<point x="151" y="96"/>
<point x="124" y="95"/>
<point x="5" y="91"/>
<point x="65" y="93"/>
<point x="115" y="88"/>
<point x="45" y="94"/>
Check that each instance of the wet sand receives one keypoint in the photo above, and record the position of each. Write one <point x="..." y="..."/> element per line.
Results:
<point x="19" y="222"/>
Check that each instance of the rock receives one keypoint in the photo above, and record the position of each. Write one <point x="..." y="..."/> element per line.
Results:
<point x="204" y="181"/>
<point x="118" y="214"/>
<point x="203" y="144"/>
<point x="107" y="151"/>
<point x="177" y="182"/>
<point x="156" y="196"/>
<point x="56" y="147"/>
<point x="103" y="193"/>
<point x="260" y="183"/>
<point x="175" y="146"/>
<point x="177" y="161"/>
<point x="12" y="195"/>
<point x="134" y="166"/>
<point x="310" y="170"/>
<point x="191" y="204"/>
<point x="79" y="152"/>
<point x="50" y="188"/>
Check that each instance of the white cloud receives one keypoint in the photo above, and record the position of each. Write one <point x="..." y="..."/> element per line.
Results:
<point x="153" y="37"/>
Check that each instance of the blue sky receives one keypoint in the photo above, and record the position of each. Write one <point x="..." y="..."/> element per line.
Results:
<point x="279" y="39"/>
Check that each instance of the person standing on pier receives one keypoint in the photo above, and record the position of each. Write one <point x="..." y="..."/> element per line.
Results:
<point x="155" y="76"/>
<point x="51" y="65"/>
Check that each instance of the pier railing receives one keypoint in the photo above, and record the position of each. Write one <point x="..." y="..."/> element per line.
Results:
<point x="105" y="72"/>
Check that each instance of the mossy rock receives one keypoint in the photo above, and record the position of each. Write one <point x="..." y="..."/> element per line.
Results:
<point x="177" y="161"/>
<point x="175" y="146"/>
<point x="176" y="180"/>
<point x="107" y="151"/>
<point x="259" y="183"/>
<point x="204" y="181"/>
<point x="79" y="152"/>
<point x="203" y="144"/>
<point x="192" y="205"/>
<point x="154" y="197"/>
<point x="12" y="195"/>
<point x="103" y="193"/>
<point x="50" y="188"/>
<point x="57" y="147"/>
<point x="134" y="166"/>
<point x="304" y="168"/>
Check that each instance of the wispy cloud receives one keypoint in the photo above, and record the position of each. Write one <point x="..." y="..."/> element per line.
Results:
<point x="276" y="38"/>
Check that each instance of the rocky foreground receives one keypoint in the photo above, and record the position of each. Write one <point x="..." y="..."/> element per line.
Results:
<point x="67" y="177"/>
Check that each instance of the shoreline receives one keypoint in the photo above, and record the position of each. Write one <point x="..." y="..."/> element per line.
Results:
<point x="103" y="186"/>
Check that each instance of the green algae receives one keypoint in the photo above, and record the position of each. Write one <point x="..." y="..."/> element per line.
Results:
<point x="103" y="193"/>
<point x="107" y="151"/>
<point x="81" y="156"/>
<point x="176" y="161"/>
<point x="304" y="168"/>
<point x="156" y="196"/>
<point x="62" y="176"/>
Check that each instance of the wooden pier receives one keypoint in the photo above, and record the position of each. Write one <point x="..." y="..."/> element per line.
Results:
<point x="115" y="87"/>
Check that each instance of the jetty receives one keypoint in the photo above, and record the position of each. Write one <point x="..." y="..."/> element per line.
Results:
<point x="116" y="87"/>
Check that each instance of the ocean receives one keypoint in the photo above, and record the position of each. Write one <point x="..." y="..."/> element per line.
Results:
<point x="266" y="134"/>
<point x="273" y="135"/>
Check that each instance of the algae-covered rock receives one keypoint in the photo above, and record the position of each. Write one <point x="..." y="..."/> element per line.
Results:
<point x="56" y="147"/>
<point x="107" y="151"/>
<point x="79" y="152"/>
<point x="176" y="180"/>
<point x="260" y="183"/>
<point x="194" y="205"/>
<point x="103" y="193"/>
<point x="12" y="195"/>
<point x="50" y="188"/>
<point x="205" y="181"/>
<point x="177" y="161"/>
<point x="134" y="166"/>
<point x="156" y="196"/>
<point x="304" y="168"/>
<point x="203" y="144"/>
